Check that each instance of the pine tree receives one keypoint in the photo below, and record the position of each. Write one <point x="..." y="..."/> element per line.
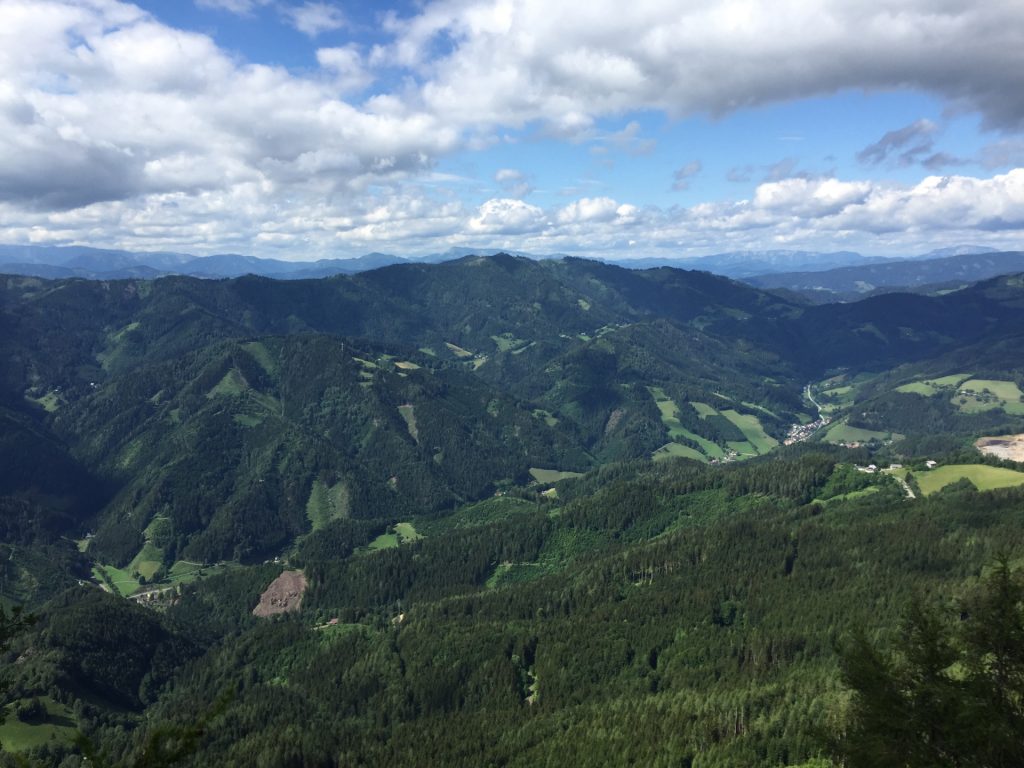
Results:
<point x="949" y="694"/>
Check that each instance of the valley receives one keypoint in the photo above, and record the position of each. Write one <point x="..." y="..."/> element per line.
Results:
<point x="511" y="384"/>
<point x="494" y="493"/>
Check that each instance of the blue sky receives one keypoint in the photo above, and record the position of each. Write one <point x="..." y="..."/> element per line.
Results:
<point x="304" y="130"/>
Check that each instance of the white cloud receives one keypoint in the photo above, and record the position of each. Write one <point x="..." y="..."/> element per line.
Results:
<point x="508" y="174"/>
<point x="506" y="216"/>
<point x="117" y="130"/>
<point x="107" y="104"/>
<point x="810" y="197"/>
<point x="589" y="209"/>
<point x="314" y="19"/>
<point x="258" y="215"/>
<point x="514" y="61"/>
<point x="346" y="66"/>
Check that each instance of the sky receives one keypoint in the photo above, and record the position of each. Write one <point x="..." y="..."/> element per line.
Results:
<point x="670" y="128"/>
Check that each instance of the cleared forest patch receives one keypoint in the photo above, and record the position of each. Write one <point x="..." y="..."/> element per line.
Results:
<point x="284" y="594"/>
<point x="1004" y="446"/>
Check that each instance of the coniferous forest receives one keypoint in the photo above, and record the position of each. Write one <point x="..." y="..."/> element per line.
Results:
<point x="545" y="513"/>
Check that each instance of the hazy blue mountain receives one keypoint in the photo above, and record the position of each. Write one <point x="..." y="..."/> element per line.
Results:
<point x="741" y="264"/>
<point x="106" y="264"/>
<point x="957" y="250"/>
<point x="848" y="283"/>
<point x="88" y="259"/>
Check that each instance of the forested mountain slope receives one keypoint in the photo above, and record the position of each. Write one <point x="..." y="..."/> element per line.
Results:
<point x="458" y="458"/>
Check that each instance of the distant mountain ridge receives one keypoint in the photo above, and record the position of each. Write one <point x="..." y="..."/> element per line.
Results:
<point x="56" y="262"/>
<point x="855" y="282"/>
<point x="740" y="264"/>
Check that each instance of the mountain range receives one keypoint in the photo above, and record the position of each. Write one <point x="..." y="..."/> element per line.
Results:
<point x="530" y="506"/>
<point x="93" y="263"/>
<point x="941" y="273"/>
<point x="550" y="364"/>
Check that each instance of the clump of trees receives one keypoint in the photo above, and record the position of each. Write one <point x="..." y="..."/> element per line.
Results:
<point x="31" y="711"/>
<point x="951" y="690"/>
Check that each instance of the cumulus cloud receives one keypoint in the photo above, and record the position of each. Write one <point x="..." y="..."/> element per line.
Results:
<point x="681" y="176"/>
<point x="103" y="103"/>
<point x="513" y="61"/>
<point x="118" y="130"/>
<point x="589" y="209"/>
<point x="314" y="19"/>
<point x="810" y="198"/>
<point x="806" y="213"/>
<point x="506" y="216"/>
<point x="347" y="66"/>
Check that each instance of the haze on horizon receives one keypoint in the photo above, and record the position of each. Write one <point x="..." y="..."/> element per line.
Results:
<point x="304" y="130"/>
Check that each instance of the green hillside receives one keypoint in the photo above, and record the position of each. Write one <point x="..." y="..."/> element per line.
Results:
<point x="540" y="509"/>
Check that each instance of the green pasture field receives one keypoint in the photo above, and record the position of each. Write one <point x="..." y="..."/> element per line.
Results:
<point x="841" y="432"/>
<point x="185" y="571"/>
<point x="751" y="428"/>
<point x="398" y="534"/>
<point x="261" y="355"/>
<point x="506" y="342"/>
<point x="407" y="532"/>
<point x="59" y="726"/>
<point x="742" y="447"/>
<point x="147" y="562"/>
<point x="979" y="395"/>
<point x="409" y="414"/>
<point x="546" y="476"/>
<point x="232" y="385"/>
<point x="50" y="401"/>
<point x="670" y="418"/>
<point x="120" y="578"/>
<point x="703" y="409"/>
<point x="384" y="541"/>
<point x="326" y="503"/>
<point x="931" y="387"/>
<point x="984" y="477"/>
<point x="457" y="350"/>
<point x="756" y="407"/>
<point x="673" y="450"/>
<point x="851" y="495"/>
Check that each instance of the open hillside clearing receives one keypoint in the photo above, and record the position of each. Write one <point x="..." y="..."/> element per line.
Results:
<point x="982" y="476"/>
<point x="932" y="387"/>
<point x="57" y="726"/>
<point x="979" y="395"/>
<point x="548" y="476"/>
<point x="842" y="433"/>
